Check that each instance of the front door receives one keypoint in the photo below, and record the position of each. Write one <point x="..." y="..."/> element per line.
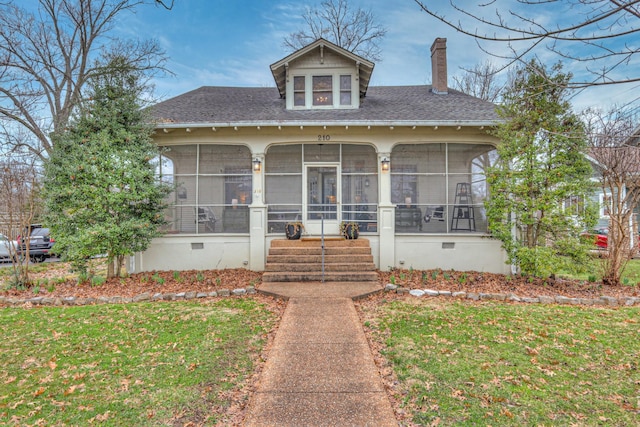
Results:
<point x="322" y="197"/>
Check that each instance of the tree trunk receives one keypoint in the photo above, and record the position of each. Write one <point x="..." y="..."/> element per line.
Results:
<point x="119" y="263"/>
<point x="110" y="267"/>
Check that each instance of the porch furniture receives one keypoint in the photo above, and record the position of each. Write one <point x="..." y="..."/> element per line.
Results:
<point x="435" y="213"/>
<point x="408" y="218"/>
<point x="463" y="215"/>
<point x="207" y="218"/>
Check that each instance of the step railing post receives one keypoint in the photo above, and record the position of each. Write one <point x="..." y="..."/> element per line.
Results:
<point x="322" y="243"/>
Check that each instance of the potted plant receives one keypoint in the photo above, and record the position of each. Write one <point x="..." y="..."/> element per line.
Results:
<point x="349" y="230"/>
<point x="293" y="230"/>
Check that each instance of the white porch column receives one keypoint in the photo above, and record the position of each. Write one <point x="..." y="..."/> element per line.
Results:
<point x="257" y="216"/>
<point x="386" y="218"/>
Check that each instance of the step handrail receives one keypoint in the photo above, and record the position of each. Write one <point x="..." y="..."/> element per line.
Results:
<point x="322" y="243"/>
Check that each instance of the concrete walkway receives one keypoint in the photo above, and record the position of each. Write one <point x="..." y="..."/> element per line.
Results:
<point x="320" y="371"/>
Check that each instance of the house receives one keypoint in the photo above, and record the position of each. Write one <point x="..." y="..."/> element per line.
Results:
<point x="616" y="169"/>
<point x="405" y="162"/>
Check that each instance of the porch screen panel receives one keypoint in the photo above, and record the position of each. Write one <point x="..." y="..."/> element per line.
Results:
<point x="468" y="187"/>
<point x="440" y="188"/>
<point x="165" y="174"/>
<point x="179" y="167"/>
<point x="322" y="152"/>
<point x="284" y="159"/>
<point x="283" y="186"/>
<point x="360" y="186"/>
<point x="434" y="203"/>
<point x="213" y="189"/>
<point x="225" y="189"/>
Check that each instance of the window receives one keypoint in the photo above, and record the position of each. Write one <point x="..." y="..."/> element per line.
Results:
<point x="345" y="90"/>
<point x="299" y="91"/>
<point x="322" y="90"/>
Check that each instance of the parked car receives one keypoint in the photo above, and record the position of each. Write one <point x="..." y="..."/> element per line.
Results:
<point x="7" y="248"/>
<point x="599" y="236"/>
<point x="39" y="241"/>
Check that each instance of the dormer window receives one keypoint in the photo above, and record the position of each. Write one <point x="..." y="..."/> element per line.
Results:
<point x="299" y="91"/>
<point x="345" y="90"/>
<point x="322" y="76"/>
<point x="323" y="91"/>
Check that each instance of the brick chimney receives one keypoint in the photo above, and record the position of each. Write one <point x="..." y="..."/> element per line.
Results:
<point x="439" y="66"/>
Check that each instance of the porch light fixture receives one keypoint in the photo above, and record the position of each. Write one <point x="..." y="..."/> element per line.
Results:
<point x="257" y="165"/>
<point x="385" y="164"/>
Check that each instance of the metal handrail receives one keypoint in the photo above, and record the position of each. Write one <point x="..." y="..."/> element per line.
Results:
<point x="322" y="243"/>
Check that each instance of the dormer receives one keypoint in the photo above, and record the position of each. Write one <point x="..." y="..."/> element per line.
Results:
<point x="322" y="75"/>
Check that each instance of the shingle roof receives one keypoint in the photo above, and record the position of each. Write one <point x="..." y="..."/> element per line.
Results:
<point x="212" y="105"/>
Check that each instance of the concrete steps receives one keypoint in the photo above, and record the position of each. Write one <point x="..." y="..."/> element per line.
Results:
<point x="301" y="261"/>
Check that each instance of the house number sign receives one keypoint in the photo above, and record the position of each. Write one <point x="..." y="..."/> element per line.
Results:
<point x="324" y="137"/>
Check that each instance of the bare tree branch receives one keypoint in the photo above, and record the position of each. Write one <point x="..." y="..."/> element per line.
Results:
<point x="354" y="30"/>
<point x="480" y="82"/>
<point x="602" y="34"/>
<point x="47" y="56"/>
<point x="615" y="152"/>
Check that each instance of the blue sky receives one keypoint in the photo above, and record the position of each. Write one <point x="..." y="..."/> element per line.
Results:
<point x="233" y="42"/>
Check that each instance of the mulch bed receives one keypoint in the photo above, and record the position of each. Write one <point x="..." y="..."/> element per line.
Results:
<point x="478" y="282"/>
<point x="135" y="284"/>
<point x="51" y="283"/>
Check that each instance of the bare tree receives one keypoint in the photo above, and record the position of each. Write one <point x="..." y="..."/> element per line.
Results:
<point x="600" y="34"/>
<point x="480" y="81"/>
<point x="354" y="30"/>
<point x="616" y="157"/>
<point x="47" y="56"/>
<point x="19" y="192"/>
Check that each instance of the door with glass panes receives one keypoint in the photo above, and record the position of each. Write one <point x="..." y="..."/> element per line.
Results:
<point x="322" y="197"/>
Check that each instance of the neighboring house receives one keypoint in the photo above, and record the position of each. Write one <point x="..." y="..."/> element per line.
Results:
<point x="625" y="159"/>
<point x="405" y="162"/>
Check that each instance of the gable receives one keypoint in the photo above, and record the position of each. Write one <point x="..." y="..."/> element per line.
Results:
<point x="317" y="60"/>
<point x="322" y="55"/>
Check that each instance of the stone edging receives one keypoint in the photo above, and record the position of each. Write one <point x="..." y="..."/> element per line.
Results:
<point x="250" y="290"/>
<point x="542" y="299"/>
<point x="146" y="296"/>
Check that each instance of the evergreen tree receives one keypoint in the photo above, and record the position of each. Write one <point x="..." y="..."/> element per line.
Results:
<point x="101" y="191"/>
<point x="538" y="187"/>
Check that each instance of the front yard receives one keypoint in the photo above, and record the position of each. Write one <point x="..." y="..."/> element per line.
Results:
<point x="135" y="364"/>
<point x="462" y="363"/>
<point x="445" y="361"/>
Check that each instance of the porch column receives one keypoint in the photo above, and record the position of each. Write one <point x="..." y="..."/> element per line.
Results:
<point x="386" y="218"/>
<point x="257" y="216"/>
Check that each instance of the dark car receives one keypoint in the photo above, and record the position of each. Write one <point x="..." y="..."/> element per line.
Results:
<point x="39" y="242"/>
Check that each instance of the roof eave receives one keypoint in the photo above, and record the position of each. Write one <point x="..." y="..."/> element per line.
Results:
<point x="324" y="123"/>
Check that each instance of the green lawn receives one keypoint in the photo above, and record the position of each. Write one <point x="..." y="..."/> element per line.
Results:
<point x="460" y="363"/>
<point x="122" y="365"/>
<point x="630" y="276"/>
